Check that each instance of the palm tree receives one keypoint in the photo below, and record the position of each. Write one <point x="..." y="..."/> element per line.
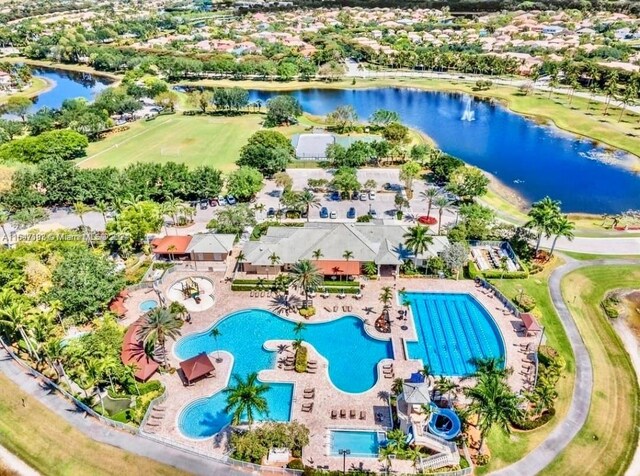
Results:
<point x="386" y="294"/>
<point x="442" y="203"/>
<point x="178" y="309"/>
<point x="347" y="255"/>
<point x="317" y="254"/>
<point x="307" y="199"/>
<point x="445" y="386"/>
<point x="544" y="395"/>
<point x="562" y="226"/>
<point x="541" y="218"/>
<point x="4" y="220"/>
<point x="425" y="371"/>
<point x="170" y="208"/>
<point x="240" y="261"/>
<point x="494" y="403"/>
<point x="429" y="196"/>
<point x="215" y="333"/>
<point x="103" y="207"/>
<point x="306" y="276"/>
<point x="417" y="239"/>
<point x="397" y="386"/>
<point x="158" y="325"/>
<point x="298" y="328"/>
<point x="245" y="398"/>
<point x="81" y="209"/>
<point x="170" y="250"/>
<point x="12" y="319"/>
<point x="385" y="455"/>
<point x="274" y="259"/>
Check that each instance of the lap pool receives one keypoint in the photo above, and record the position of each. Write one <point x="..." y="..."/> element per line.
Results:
<point x="361" y="443"/>
<point x="352" y="356"/>
<point x="453" y="329"/>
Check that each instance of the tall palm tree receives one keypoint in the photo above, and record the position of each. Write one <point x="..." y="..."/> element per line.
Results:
<point x="240" y="261"/>
<point x="178" y="309"/>
<point x="299" y="328"/>
<point x="4" y="220"/>
<point x="215" y="333"/>
<point x="429" y="196"/>
<point x="273" y="259"/>
<point x="417" y="239"/>
<point x="81" y="210"/>
<point x="306" y="277"/>
<point x="542" y="216"/>
<point x="103" y="207"/>
<point x="396" y="386"/>
<point x="562" y="226"/>
<point x="13" y="321"/>
<point x="442" y="203"/>
<point x="494" y="403"/>
<point x="317" y="254"/>
<point x="245" y="398"/>
<point x="158" y="325"/>
<point x="386" y="295"/>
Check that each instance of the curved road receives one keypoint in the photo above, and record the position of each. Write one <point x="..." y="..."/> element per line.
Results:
<point x="564" y="432"/>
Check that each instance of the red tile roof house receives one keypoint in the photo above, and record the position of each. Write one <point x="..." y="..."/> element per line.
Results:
<point x="200" y="247"/>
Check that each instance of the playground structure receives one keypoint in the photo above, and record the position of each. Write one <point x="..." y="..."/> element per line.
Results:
<point x="194" y="293"/>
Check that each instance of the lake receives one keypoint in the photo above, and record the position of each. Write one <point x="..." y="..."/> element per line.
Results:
<point x="533" y="159"/>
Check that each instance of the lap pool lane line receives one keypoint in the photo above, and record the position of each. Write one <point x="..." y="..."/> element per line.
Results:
<point x="566" y="430"/>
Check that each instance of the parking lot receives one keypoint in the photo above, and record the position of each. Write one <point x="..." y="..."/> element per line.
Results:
<point x="383" y="203"/>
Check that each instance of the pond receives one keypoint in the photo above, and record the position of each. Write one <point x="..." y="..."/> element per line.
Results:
<point x="533" y="159"/>
<point x="67" y="85"/>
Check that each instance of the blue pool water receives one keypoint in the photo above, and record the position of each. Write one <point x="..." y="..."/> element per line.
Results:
<point x="360" y="443"/>
<point x="452" y="329"/>
<point x="533" y="159"/>
<point x="243" y="335"/>
<point x="146" y="306"/>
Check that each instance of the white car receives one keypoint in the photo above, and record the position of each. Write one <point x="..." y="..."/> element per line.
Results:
<point x="372" y="195"/>
<point x="363" y="197"/>
<point x="333" y="215"/>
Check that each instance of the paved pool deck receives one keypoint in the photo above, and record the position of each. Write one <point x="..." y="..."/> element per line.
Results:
<point x="327" y="398"/>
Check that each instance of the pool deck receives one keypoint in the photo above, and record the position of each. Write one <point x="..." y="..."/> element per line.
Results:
<point x="327" y="398"/>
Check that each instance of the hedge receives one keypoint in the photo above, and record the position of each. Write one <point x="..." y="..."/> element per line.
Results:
<point x="474" y="273"/>
<point x="265" y="284"/>
<point x="301" y="359"/>
<point x="329" y="289"/>
<point x="527" y="425"/>
<point x="609" y="307"/>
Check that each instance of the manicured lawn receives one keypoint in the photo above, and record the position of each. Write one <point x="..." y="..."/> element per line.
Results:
<point x="53" y="447"/>
<point x="507" y="449"/>
<point x="38" y="85"/>
<point x="607" y="442"/>
<point x="193" y="140"/>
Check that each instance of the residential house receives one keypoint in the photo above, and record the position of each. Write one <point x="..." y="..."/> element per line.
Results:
<point x="199" y="247"/>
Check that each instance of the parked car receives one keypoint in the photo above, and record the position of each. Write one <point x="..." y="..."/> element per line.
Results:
<point x="213" y="202"/>
<point x="363" y="197"/>
<point x="372" y="195"/>
<point x="222" y="201"/>
<point x="351" y="213"/>
<point x="333" y="215"/>
<point x="324" y="212"/>
<point x="373" y="213"/>
<point x="335" y="196"/>
<point x="355" y="195"/>
<point x="231" y="200"/>
<point x="204" y="204"/>
<point x="271" y="212"/>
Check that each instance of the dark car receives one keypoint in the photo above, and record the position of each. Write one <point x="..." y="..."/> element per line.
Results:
<point x="351" y="213"/>
<point x="324" y="212"/>
<point x="335" y="196"/>
<point x="204" y="204"/>
<point x="271" y="212"/>
<point x="213" y="202"/>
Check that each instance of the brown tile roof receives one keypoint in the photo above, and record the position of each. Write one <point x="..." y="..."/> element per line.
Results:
<point x="133" y="354"/>
<point x="338" y="267"/>
<point x="162" y="245"/>
<point x="196" y="367"/>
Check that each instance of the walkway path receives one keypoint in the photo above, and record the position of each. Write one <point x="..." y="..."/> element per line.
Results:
<point x="139" y="445"/>
<point x="13" y="463"/>
<point x="566" y="430"/>
<point x="598" y="245"/>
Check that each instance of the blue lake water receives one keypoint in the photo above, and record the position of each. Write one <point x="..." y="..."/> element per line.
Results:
<point x="352" y="355"/>
<point x="453" y="330"/>
<point x="535" y="160"/>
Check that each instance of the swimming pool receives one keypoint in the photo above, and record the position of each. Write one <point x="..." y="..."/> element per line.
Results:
<point x="352" y="355"/>
<point x="146" y="306"/>
<point x="453" y="329"/>
<point x="361" y="443"/>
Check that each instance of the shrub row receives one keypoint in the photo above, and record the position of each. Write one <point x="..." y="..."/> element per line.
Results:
<point x="301" y="359"/>
<point x="330" y="289"/>
<point x="270" y="282"/>
<point x="609" y="307"/>
<point x="473" y="273"/>
<point x="527" y="425"/>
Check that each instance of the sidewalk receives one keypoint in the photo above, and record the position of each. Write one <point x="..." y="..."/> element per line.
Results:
<point x="13" y="463"/>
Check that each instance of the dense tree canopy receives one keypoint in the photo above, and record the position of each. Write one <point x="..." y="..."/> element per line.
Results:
<point x="267" y="151"/>
<point x="59" y="144"/>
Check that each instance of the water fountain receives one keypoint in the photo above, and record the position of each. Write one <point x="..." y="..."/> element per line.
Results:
<point x="468" y="114"/>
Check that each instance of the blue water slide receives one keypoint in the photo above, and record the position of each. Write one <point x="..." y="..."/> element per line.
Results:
<point x="444" y="422"/>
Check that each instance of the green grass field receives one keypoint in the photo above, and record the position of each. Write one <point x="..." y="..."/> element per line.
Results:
<point x="607" y="442"/>
<point x="50" y="445"/>
<point x="192" y="140"/>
